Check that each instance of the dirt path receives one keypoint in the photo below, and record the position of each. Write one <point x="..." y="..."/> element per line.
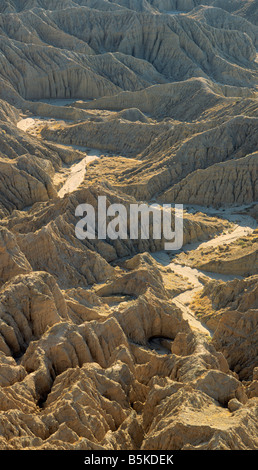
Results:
<point x="77" y="174"/>
<point x="243" y="225"/>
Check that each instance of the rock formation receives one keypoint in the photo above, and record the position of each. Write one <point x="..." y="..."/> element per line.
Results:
<point x="118" y="344"/>
<point x="238" y="257"/>
<point x="233" y="317"/>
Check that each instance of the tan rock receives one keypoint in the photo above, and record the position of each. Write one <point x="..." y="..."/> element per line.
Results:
<point x="12" y="260"/>
<point x="234" y="405"/>
<point x="115" y="344"/>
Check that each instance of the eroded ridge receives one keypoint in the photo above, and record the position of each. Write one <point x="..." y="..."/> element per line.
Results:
<point x="119" y="344"/>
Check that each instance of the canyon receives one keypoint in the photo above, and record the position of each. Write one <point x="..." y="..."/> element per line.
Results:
<point x="119" y="344"/>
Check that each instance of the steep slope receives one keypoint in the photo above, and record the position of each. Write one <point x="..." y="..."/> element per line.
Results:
<point x="231" y="182"/>
<point x="46" y="55"/>
<point x="230" y="309"/>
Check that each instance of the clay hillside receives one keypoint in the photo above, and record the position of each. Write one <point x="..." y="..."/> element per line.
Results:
<point x="120" y="344"/>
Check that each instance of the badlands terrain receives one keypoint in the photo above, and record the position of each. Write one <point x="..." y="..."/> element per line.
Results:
<point x="119" y="344"/>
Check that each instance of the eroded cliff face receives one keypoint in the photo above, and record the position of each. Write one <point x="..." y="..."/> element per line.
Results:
<point x="118" y="366"/>
<point x="118" y="344"/>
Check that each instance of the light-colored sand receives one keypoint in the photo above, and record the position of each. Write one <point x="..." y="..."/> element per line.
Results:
<point x="244" y="225"/>
<point x="26" y="124"/>
<point x="77" y="174"/>
<point x="32" y="124"/>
